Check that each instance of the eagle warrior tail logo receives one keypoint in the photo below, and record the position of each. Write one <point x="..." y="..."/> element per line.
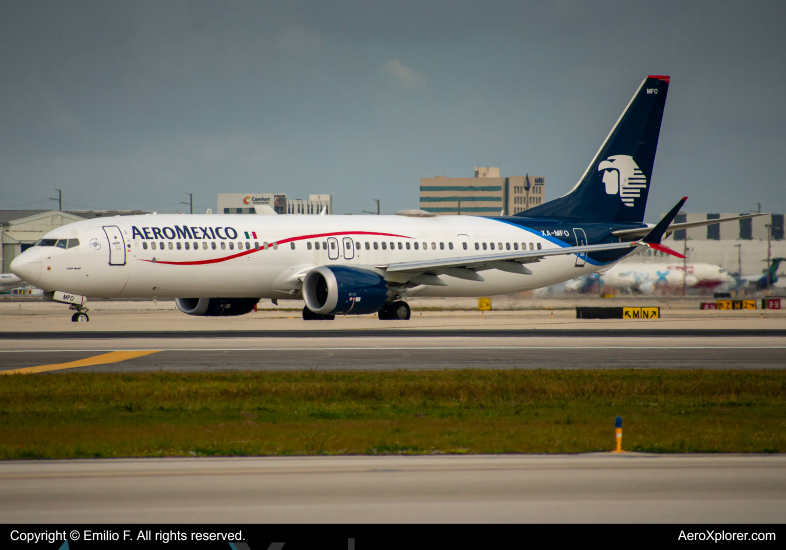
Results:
<point x="623" y="176"/>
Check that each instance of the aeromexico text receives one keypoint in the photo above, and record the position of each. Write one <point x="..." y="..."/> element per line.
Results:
<point x="184" y="232"/>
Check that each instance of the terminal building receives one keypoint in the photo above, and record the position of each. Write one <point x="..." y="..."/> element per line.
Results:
<point x="485" y="194"/>
<point x="262" y="203"/>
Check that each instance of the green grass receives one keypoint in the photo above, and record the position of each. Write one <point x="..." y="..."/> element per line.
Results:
<point x="76" y="415"/>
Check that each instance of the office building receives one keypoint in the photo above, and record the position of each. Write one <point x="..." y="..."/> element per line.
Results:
<point x="260" y="203"/>
<point x="485" y="194"/>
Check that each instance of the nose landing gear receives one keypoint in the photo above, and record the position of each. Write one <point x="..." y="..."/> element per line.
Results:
<point x="81" y="314"/>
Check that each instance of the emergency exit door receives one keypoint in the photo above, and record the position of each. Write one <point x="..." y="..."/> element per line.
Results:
<point x="349" y="248"/>
<point x="117" y="245"/>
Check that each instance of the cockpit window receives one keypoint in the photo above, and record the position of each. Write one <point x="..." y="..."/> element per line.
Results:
<point x="62" y="243"/>
<point x="73" y="243"/>
<point x="46" y="242"/>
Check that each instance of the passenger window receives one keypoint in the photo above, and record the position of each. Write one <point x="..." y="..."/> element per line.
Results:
<point x="464" y="245"/>
<point x="367" y="246"/>
<point x="196" y="246"/>
<point x="324" y="245"/>
<point x="248" y="245"/>
<point x="292" y="246"/>
<point x="407" y="246"/>
<point x="442" y="246"/>
<point x="384" y="246"/>
<point x="170" y="246"/>
<point x="73" y="243"/>
<point x="256" y="245"/>
<point x="491" y="245"/>
<point x="153" y="246"/>
<point x="223" y="245"/>
<point x="399" y="246"/>
<point x="415" y="245"/>
<point x="484" y="246"/>
<point x="450" y="246"/>
<point x="188" y="246"/>
<point x="531" y="246"/>
<point x="523" y="246"/>
<point x="144" y="246"/>
<point x="179" y="245"/>
<point x="213" y="245"/>
<point x="425" y="246"/>
<point x="538" y="246"/>
<point x="507" y="246"/>
<point x="275" y="246"/>
<point x="433" y="246"/>
<point x="308" y="246"/>
<point x="375" y="245"/>
<point x="204" y="246"/>
<point x="477" y="246"/>
<point x="392" y="246"/>
<point x="161" y="246"/>
<point x="316" y="245"/>
<point x="332" y="245"/>
<point x="500" y="246"/>
<point x="231" y="245"/>
<point x="62" y="243"/>
<point x="515" y="246"/>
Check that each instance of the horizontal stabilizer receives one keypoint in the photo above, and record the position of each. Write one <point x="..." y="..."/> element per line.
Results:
<point x="639" y="231"/>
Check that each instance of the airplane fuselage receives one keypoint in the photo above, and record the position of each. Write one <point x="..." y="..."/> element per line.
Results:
<point x="203" y="256"/>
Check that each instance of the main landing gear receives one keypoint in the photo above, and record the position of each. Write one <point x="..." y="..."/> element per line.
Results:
<point x="81" y="314"/>
<point x="309" y="315"/>
<point x="396" y="311"/>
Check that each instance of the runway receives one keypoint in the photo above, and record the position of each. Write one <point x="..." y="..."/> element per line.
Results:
<point x="395" y="358"/>
<point x="447" y="489"/>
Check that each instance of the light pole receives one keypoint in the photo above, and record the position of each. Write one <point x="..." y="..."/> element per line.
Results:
<point x="769" y="253"/>
<point x="190" y="202"/>
<point x="377" y="206"/>
<point x="59" y="199"/>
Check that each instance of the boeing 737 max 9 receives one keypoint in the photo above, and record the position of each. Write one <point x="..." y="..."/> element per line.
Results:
<point x="224" y="264"/>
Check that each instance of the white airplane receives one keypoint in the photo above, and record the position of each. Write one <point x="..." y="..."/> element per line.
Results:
<point x="646" y="277"/>
<point x="9" y="281"/>
<point x="224" y="264"/>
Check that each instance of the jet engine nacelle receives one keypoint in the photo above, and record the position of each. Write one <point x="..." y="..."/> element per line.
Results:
<point x="215" y="307"/>
<point x="331" y="290"/>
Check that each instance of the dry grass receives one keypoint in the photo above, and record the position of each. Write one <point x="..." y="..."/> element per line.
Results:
<point x="245" y="413"/>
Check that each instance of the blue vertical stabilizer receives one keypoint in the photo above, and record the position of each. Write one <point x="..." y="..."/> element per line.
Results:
<point x="615" y="185"/>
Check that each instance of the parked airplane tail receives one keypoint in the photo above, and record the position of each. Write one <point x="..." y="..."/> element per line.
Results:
<point x="616" y="183"/>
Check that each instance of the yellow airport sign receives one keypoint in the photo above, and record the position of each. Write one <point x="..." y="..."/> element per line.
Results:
<point x="484" y="304"/>
<point x="641" y="313"/>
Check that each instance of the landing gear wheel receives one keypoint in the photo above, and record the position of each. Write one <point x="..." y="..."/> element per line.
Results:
<point x="80" y="318"/>
<point x="397" y="311"/>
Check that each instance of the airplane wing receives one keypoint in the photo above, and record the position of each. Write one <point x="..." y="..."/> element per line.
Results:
<point x="505" y="261"/>
<point x="424" y="272"/>
<point x="677" y="226"/>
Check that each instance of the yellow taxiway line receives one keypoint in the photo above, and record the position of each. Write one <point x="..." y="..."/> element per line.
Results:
<point x="103" y="359"/>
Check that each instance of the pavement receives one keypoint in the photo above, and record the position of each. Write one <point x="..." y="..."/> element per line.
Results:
<point x="608" y="488"/>
<point x="153" y="336"/>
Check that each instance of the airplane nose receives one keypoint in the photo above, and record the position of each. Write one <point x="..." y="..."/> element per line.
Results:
<point x="27" y="266"/>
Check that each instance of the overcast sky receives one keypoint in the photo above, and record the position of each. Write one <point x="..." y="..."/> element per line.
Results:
<point x="132" y="105"/>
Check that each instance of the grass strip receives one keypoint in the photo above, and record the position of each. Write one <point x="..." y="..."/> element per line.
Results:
<point x="419" y="412"/>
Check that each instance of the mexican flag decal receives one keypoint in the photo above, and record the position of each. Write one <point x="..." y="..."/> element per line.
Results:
<point x="251" y="235"/>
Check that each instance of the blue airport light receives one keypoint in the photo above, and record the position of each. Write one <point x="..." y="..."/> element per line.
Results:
<point x="618" y="422"/>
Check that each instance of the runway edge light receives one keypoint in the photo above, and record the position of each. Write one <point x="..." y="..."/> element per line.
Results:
<point x="618" y="429"/>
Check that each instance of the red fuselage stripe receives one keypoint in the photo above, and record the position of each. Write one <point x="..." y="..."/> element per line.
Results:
<point x="283" y="241"/>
